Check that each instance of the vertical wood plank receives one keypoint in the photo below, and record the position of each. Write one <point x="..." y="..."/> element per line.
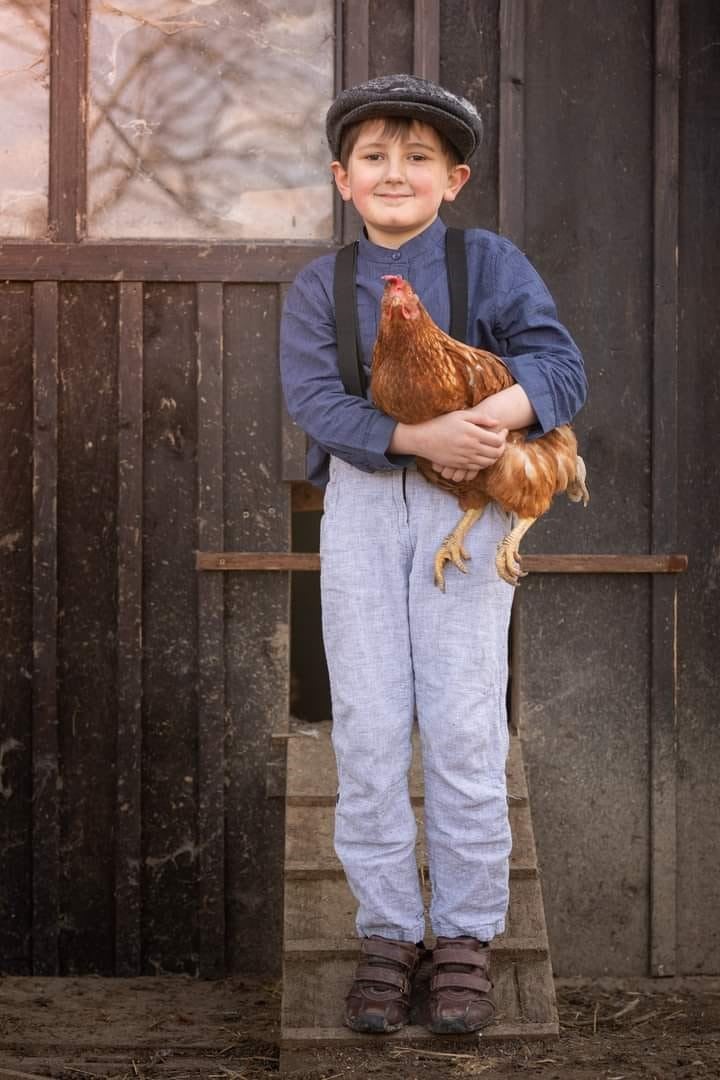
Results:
<point x="68" y="115"/>
<point x="356" y="53"/>
<point x="211" y="670"/>
<point x="170" y="622"/>
<point x="45" y="714"/>
<point x="663" y="687"/>
<point x="426" y="39"/>
<point x="511" y="150"/>
<point x="511" y="223"/>
<point x="294" y="441"/>
<point x="128" y="854"/>
<point x="16" y="630"/>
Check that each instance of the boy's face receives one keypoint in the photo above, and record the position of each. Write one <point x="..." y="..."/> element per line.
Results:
<point x="397" y="184"/>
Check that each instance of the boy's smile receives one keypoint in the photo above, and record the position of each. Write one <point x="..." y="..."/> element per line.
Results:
<point x="398" y="183"/>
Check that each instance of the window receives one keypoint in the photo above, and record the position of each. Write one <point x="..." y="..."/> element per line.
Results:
<point x="206" y="119"/>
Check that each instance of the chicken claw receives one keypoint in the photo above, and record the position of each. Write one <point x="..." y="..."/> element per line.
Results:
<point x="452" y="549"/>
<point x="507" y="558"/>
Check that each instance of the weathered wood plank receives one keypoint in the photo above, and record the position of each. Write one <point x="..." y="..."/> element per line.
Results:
<point x="324" y="909"/>
<point x="68" y="114"/>
<point x="309" y="833"/>
<point x="128" y="819"/>
<point x="169" y="773"/>
<point x="698" y="749"/>
<point x="45" y="768"/>
<point x="469" y="66"/>
<point x="356" y="69"/>
<point x="87" y="628"/>
<point x="211" y="617"/>
<point x="663" y="675"/>
<point x="312" y="771"/>
<point x="426" y="39"/>
<point x="154" y="261"/>
<point x="314" y="991"/>
<point x="537" y="564"/>
<point x="16" y="624"/>
<point x="511" y="141"/>
<point x="293" y="438"/>
<point x="390" y="37"/>
<point x="256" y="628"/>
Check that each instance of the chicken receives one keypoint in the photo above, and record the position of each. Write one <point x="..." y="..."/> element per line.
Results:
<point x="418" y="373"/>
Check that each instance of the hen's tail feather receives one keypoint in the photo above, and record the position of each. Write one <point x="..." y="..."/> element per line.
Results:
<point x="577" y="488"/>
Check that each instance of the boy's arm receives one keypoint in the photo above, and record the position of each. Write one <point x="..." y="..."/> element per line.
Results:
<point x="540" y="353"/>
<point x="345" y="425"/>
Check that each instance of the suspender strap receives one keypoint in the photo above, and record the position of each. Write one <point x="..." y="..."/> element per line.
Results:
<point x="458" y="282"/>
<point x="352" y="372"/>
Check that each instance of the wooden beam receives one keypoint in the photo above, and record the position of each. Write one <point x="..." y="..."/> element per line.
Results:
<point x="128" y="849"/>
<point x="511" y="145"/>
<point x="68" y="113"/>
<point x="211" y="643"/>
<point x="356" y="69"/>
<point x="46" y="779"/>
<point x="663" y="659"/>
<point x="126" y="260"/>
<point x="544" y="564"/>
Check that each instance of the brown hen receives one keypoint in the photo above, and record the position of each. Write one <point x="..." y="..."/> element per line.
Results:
<point x="419" y="372"/>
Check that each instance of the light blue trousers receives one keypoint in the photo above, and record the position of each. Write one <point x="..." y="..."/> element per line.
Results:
<point x="398" y="647"/>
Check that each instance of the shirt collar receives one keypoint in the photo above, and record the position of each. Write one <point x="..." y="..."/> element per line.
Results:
<point x="431" y="237"/>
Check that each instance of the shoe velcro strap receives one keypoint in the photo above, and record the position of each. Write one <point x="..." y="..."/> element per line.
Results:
<point x="458" y="955"/>
<point x="459" y="980"/>
<point x="398" y="951"/>
<point x="376" y="973"/>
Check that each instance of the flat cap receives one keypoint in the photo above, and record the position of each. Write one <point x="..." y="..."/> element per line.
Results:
<point x="406" y="95"/>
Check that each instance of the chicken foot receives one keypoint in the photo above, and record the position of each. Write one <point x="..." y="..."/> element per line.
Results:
<point x="507" y="558"/>
<point x="452" y="550"/>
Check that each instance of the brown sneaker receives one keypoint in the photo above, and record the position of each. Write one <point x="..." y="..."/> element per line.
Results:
<point x="460" y="987"/>
<point x="379" y="998"/>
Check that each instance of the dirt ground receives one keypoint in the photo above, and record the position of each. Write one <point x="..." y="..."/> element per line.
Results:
<point x="144" y="1029"/>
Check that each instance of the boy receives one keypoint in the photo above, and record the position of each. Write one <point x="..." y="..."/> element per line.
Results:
<point x="396" y="645"/>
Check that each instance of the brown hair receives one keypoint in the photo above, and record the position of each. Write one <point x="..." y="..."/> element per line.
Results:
<point x="393" y="128"/>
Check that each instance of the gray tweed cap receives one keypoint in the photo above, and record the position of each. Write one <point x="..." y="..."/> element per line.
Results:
<point x="406" y="95"/>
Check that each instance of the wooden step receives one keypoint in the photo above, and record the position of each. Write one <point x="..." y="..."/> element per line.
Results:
<point x="324" y="908"/>
<point x="312" y="776"/>
<point x="315" y="988"/>
<point x="321" y="948"/>
<point x="309" y="841"/>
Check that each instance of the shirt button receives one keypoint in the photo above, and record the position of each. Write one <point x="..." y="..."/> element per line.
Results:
<point x="396" y="256"/>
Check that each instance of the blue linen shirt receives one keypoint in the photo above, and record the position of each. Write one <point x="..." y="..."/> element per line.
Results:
<point x="510" y="313"/>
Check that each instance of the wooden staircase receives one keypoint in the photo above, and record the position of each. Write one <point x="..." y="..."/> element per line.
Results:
<point x="320" y="945"/>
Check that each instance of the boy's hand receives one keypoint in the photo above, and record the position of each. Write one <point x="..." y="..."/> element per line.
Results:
<point x="457" y="443"/>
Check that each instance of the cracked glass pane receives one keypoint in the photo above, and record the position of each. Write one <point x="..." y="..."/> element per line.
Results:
<point x="207" y="119"/>
<point x="24" y="128"/>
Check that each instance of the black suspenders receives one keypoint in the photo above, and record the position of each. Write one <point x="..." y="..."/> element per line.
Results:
<point x="352" y="372"/>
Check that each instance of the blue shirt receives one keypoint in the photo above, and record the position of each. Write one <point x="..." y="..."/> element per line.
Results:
<point x="510" y="313"/>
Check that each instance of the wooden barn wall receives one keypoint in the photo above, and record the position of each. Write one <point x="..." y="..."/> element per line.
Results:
<point x="583" y="644"/>
<point x="157" y="433"/>
<point x="140" y="420"/>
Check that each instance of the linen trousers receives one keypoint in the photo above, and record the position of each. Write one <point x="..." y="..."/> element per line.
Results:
<point x="398" y="648"/>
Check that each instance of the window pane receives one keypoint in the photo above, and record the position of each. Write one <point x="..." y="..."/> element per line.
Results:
<point x="207" y="119"/>
<point x="24" y="117"/>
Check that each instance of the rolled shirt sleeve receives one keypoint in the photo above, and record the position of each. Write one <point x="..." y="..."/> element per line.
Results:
<point x="342" y="424"/>
<point x="538" y="350"/>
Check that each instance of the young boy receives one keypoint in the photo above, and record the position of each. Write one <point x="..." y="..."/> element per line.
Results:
<point x="397" y="647"/>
